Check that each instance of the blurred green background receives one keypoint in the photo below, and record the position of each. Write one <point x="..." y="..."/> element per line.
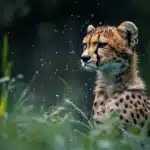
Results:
<point x="45" y="39"/>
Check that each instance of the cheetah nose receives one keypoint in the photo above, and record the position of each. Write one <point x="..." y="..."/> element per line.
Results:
<point x="85" y="58"/>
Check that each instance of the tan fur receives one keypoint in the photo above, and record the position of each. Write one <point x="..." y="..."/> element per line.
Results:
<point x="127" y="96"/>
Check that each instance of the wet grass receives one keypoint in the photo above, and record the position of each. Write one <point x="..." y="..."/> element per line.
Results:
<point x="25" y="127"/>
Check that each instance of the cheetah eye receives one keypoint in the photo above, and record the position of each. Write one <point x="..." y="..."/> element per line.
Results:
<point x="95" y="43"/>
<point x="101" y="44"/>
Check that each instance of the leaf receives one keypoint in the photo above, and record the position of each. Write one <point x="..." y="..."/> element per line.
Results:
<point x="65" y="83"/>
<point x="3" y="103"/>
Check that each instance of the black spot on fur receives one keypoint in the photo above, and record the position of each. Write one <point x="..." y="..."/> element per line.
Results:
<point x="134" y="120"/>
<point x="121" y="100"/>
<point x="142" y="113"/>
<point x="126" y="105"/>
<point x="127" y="97"/>
<point x="132" y="115"/>
<point x="133" y="96"/>
<point x="121" y="117"/>
<point x="139" y="96"/>
<point x="144" y="100"/>
<point x="115" y="97"/>
<point x="135" y="105"/>
<point x="116" y="104"/>
<point x="101" y="103"/>
<point x="139" y="102"/>
<point x="138" y="116"/>
<point x="95" y="104"/>
<point x="126" y="120"/>
<point x="98" y="113"/>
<point x="124" y="111"/>
<point x="131" y="102"/>
<point x="111" y="110"/>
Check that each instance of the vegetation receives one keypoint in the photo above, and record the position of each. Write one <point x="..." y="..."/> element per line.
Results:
<point x="26" y="127"/>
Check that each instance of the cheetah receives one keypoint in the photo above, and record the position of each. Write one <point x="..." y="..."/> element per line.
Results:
<point x="110" y="51"/>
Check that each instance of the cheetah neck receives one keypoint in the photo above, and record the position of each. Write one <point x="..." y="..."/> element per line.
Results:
<point x="114" y="78"/>
<point x="113" y="71"/>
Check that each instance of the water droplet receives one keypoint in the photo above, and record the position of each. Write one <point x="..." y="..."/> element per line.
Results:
<point x="72" y="52"/>
<point x="57" y="95"/>
<point x="13" y="80"/>
<point x="41" y="59"/>
<point x="66" y="68"/>
<point x="85" y="84"/>
<point x="20" y="76"/>
<point x="100" y="23"/>
<point x="92" y="15"/>
<point x="42" y="65"/>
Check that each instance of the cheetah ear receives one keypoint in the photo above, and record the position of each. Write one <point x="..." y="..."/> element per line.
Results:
<point x="90" y="28"/>
<point x="129" y="31"/>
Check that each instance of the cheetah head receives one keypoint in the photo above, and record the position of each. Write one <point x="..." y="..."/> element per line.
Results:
<point x="106" y="46"/>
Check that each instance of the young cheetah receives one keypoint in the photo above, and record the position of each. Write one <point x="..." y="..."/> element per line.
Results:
<point x="110" y="51"/>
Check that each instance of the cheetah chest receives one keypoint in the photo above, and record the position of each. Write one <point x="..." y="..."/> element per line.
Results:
<point x="133" y="107"/>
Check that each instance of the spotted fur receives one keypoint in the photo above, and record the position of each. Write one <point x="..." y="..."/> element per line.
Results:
<point x="111" y="52"/>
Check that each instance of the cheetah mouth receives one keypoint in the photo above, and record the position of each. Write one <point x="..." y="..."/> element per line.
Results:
<point x="93" y="65"/>
<point x="111" y="66"/>
<point x="90" y="65"/>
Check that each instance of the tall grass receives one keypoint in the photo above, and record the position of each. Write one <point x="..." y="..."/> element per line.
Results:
<point x="56" y="129"/>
